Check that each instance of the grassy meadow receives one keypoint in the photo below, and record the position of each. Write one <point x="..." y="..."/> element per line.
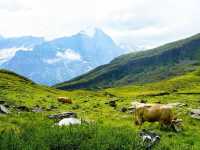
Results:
<point x="110" y="129"/>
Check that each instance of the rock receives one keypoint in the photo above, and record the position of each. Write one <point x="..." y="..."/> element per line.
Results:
<point x="3" y="109"/>
<point x="124" y="109"/>
<point x="195" y="113"/>
<point x="195" y="116"/>
<point x="6" y="105"/>
<point x="2" y="102"/>
<point x="37" y="109"/>
<point x="149" y="138"/>
<point x="69" y="121"/>
<point x="109" y="94"/>
<point x="112" y="103"/>
<point x="23" y="108"/>
<point x="63" y="115"/>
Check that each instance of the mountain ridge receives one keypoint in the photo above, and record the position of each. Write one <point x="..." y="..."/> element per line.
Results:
<point x="147" y="66"/>
<point x="63" y="58"/>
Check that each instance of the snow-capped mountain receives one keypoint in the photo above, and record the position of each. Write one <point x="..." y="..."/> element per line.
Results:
<point x="9" y="46"/>
<point x="63" y="58"/>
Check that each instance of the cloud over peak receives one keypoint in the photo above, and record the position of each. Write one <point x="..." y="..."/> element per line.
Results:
<point x="66" y="55"/>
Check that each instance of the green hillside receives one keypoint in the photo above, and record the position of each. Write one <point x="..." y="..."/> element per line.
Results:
<point x="18" y="90"/>
<point x="167" y="61"/>
<point x="178" y="89"/>
<point x="110" y="128"/>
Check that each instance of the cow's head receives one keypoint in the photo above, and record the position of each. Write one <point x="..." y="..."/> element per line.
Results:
<point x="177" y="124"/>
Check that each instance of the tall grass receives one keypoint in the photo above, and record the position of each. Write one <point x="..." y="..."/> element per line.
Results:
<point x="41" y="134"/>
<point x="84" y="137"/>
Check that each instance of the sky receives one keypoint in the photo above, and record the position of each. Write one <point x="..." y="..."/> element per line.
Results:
<point x="137" y="23"/>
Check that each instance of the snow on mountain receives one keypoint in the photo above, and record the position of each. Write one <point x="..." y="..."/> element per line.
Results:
<point x="68" y="54"/>
<point x="63" y="58"/>
<point x="7" y="53"/>
<point x="90" y="32"/>
<point x="9" y="46"/>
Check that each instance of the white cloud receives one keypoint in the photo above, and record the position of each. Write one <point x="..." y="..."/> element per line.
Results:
<point x="69" y="54"/>
<point x="142" y="22"/>
<point x="66" y="55"/>
<point x="10" y="5"/>
<point x="7" y="53"/>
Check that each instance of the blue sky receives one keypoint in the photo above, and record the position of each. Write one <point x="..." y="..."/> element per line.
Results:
<point x="142" y="23"/>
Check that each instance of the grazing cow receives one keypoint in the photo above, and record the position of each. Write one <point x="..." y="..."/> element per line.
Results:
<point x="154" y="113"/>
<point x="65" y="100"/>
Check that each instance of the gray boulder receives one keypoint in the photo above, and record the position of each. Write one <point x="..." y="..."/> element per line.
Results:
<point x="63" y="115"/>
<point x="2" y="102"/>
<point x="3" y="110"/>
<point x="123" y="109"/>
<point x="195" y="113"/>
<point x="23" y="108"/>
<point x="37" y="109"/>
<point x="112" y="103"/>
<point x="69" y="121"/>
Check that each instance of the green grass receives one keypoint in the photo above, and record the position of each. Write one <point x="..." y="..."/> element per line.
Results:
<point x="34" y="131"/>
<point x="39" y="133"/>
<point x="188" y="83"/>
<point x="112" y="129"/>
<point x="17" y="90"/>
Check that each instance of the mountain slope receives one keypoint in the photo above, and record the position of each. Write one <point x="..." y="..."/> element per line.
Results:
<point x="9" y="46"/>
<point x="20" y="91"/>
<point x="64" y="58"/>
<point x="187" y="84"/>
<point x="153" y="65"/>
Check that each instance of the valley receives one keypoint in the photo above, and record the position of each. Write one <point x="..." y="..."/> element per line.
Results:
<point x="102" y="99"/>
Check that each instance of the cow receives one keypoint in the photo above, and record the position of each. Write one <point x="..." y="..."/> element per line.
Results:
<point x="154" y="113"/>
<point x="65" y="100"/>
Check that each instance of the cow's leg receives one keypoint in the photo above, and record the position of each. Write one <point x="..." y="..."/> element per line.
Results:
<point x="163" y="125"/>
<point x="138" y="121"/>
<point x="136" y="117"/>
